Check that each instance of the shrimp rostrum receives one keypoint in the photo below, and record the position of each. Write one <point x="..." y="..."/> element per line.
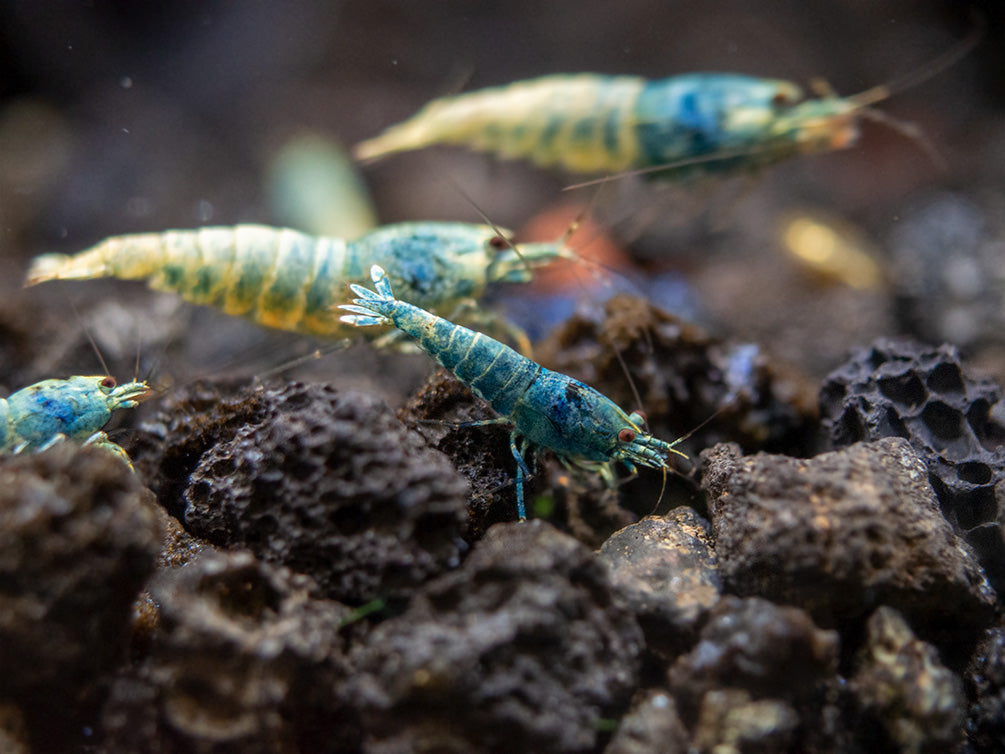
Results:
<point x="40" y="415"/>
<point x="544" y="409"/>
<point x="288" y="280"/>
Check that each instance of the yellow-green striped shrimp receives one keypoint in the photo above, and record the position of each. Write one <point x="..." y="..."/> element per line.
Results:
<point x="285" y="279"/>
<point x="671" y="128"/>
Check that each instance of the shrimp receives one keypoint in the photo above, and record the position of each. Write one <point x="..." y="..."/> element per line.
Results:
<point x="40" y="415"/>
<point x="670" y="128"/>
<point x="545" y="409"/>
<point x="284" y="279"/>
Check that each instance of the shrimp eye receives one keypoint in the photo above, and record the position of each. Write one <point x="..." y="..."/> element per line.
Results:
<point x="780" y="99"/>
<point x="626" y="435"/>
<point x="108" y="382"/>
<point x="642" y="416"/>
<point x="499" y="243"/>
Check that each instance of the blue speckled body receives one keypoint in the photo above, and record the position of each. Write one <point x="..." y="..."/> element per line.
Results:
<point x="545" y="408"/>
<point x="590" y="123"/>
<point x="76" y="409"/>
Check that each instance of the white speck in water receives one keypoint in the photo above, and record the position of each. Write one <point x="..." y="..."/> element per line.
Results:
<point x="204" y="211"/>
<point x="125" y="130"/>
<point x="661" y="701"/>
<point x="394" y="61"/>
<point x="126" y="82"/>
<point x="138" y="206"/>
<point x="63" y="232"/>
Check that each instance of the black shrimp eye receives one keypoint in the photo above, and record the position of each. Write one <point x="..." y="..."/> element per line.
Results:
<point x="780" y="99"/>
<point x="108" y="382"/>
<point x="626" y="435"/>
<point x="499" y="243"/>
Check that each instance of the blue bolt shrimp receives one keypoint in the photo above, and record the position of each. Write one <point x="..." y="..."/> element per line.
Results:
<point x="51" y="411"/>
<point x="288" y="280"/>
<point x="669" y="128"/>
<point x="545" y="409"/>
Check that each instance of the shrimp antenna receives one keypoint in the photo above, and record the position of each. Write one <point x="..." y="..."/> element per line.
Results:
<point x="909" y="131"/>
<point x="927" y="70"/>
<point x="485" y="218"/>
<point x="90" y="338"/>
<point x="720" y="156"/>
<point x="315" y="355"/>
<point x="628" y="376"/>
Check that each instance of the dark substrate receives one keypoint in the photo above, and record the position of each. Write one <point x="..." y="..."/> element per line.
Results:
<point x="331" y="576"/>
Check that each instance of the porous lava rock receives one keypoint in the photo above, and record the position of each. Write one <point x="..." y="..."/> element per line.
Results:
<point x="683" y="376"/>
<point x="843" y="533"/>
<point x="953" y="419"/>
<point x="901" y="684"/>
<point x="246" y="658"/>
<point x="438" y="411"/>
<point x="524" y="648"/>
<point x="768" y="650"/>
<point x="651" y="725"/>
<point x="986" y="684"/>
<point x="79" y="535"/>
<point x="190" y="420"/>
<point x="665" y="570"/>
<point x="331" y="484"/>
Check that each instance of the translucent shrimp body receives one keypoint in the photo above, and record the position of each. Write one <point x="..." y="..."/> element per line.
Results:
<point x="589" y="123"/>
<point x="289" y="280"/>
<point x="544" y="408"/>
<point x="51" y="411"/>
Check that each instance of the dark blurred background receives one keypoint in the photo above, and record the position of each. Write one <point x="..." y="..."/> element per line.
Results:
<point x="120" y="117"/>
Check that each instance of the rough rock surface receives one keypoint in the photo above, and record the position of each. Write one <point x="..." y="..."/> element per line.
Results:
<point x="522" y="649"/>
<point x="843" y="533"/>
<point x="190" y="421"/>
<point x="684" y="376"/>
<point x="955" y="421"/>
<point x="79" y="535"/>
<point x="651" y="725"/>
<point x="480" y="454"/>
<point x="986" y="681"/>
<point x="245" y="659"/>
<point x="664" y="569"/>
<point x="744" y="643"/>
<point x="332" y="485"/>
<point x="902" y="684"/>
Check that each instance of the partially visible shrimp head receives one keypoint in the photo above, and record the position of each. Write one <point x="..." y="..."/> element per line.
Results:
<point x="72" y="409"/>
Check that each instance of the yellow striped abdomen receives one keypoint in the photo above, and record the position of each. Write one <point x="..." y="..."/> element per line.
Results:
<point x="582" y="122"/>
<point x="276" y="277"/>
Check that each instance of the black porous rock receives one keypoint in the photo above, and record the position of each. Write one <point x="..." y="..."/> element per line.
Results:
<point x="651" y="725"/>
<point x="79" y="535"/>
<point x="684" y="376"/>
<point x="190" y="420"/>
<point x="986" y="682"/>
<point x="901" y="684"/>
<point x="524" y="648"/>
<point x="480" y="454"/>
<point x="750" y="644"/>
<point x="665" y="570"/>
<point x="955" y="421"/>
<point x="843" y="533"/>
<point x="331" y="484"/>
<point x="245" y="659"/>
